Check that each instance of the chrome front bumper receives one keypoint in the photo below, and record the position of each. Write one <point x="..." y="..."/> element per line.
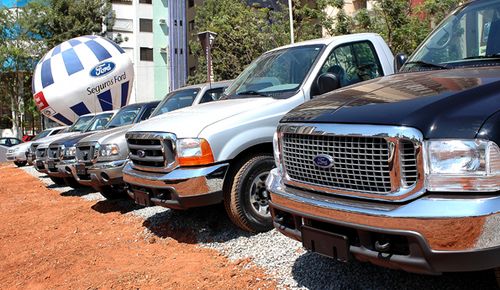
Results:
<point x="181" y="188"/>
<point x="40" y="166"/>
<point x="62" y="168"/>
<point x="442" y="233"/>
<point x="100" y="174"/>
<point x="16" y="156"/>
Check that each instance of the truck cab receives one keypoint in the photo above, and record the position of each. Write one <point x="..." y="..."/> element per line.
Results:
<point x="402" y="171"/>
<point x="222" y="151"/>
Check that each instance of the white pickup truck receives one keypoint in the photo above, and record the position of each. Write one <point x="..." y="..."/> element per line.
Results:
<point x="222" y="151"/>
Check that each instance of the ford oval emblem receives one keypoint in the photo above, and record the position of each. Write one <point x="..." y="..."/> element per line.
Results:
<point x="323" y="161"/>
<point x="141" y="153"/>
<point x="102" y="69"/>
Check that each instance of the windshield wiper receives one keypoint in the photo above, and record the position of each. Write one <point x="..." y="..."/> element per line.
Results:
<point x="427" y="64"/>
<point x="252" y="93"/>
<point x="495" y="55"/>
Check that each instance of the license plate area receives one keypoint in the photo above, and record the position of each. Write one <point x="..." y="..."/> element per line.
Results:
<point x="326" y="243"/>
<point x="51" y="164"/>
<point x="142" y="197"/>
<point x="80" y="169"/>
<point x="39" y="164"/>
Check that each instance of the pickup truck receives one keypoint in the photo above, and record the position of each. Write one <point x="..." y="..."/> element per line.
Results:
<point x="222" y="151"/>
<point x="402" y="171"/>
<point x="102" y="156"/>
<point x="107" y="157"/>
<point x="61" y="152"/>
<point x="19" y="153"/>
<point x="38" y="149"/>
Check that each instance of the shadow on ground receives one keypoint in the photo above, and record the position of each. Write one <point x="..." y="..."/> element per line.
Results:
<point x="197" y="225"/>
<point x="119" y="205"/>
<point x="313" y="271"/>
<point x="79" y="192"/>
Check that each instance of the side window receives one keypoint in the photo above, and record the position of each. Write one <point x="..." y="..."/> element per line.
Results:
<point x="147" y="113"/>
<point x="15" y="142"/>
<point x="55" y="131"/>
<point x="353" y="63"/>
<point x="212" y="95"/>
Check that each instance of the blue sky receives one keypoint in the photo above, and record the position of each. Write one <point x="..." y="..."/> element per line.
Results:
<point x="14" y="3"/>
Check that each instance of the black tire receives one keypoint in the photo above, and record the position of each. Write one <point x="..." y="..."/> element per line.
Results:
<point x="245" y="200"/>
<point x="58" y="180"/>
<point x="20" y="163"/>
<point x="112" y="193"/>
<point x="71" y="182"/>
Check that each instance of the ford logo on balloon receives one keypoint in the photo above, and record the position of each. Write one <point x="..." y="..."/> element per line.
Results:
<point x="323" y="161"/>
<point x="102" y="69"/>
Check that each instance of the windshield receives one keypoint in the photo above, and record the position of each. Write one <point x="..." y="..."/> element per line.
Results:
<point x="124" y="117"/>
<point x="99" y="122"/>
<point x="42" y="134"/>
<point x="176" y="100"/>
<point x="275" y="74"/>
<point x="468" y="37"/>
<point x="81" y="124"/>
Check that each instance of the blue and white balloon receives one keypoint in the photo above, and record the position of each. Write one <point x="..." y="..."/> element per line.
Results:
<point x="86" y="74"/>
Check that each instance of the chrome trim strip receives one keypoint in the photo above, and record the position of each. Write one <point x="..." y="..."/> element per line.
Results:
<point x="162" y="137"/>
<point x="393" y="134"/>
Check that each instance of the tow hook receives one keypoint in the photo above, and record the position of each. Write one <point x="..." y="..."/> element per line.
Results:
<point x="382" y="247"/>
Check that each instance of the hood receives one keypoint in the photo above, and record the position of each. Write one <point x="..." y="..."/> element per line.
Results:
<point x="103" y="137"/>
<point x="20" y="147"/>
<point x="190" y="121"/>
<point x="73" y="139"/>
<point x="52" y="138"/>
<point x="441" y="104"/>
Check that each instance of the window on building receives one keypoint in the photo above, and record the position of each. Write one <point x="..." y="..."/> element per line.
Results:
<point x="145" y="25"/>
<point x="122" y="1"/>
<point x="146" y="54"/>
<point x="190" y="3"/>
<point x="191" y="25"/>
<point x="145" y="1"/>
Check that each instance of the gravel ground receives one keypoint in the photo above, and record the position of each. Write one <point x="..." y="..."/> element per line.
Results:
<point x="281" y="257"/>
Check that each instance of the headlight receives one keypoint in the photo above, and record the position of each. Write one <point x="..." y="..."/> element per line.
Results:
<point x="107" y="150"/>
<point x="276" y="152"/>
<point x="463" y="165"/>
<point x="194" y="151"/>
<point x="70" y="152"/>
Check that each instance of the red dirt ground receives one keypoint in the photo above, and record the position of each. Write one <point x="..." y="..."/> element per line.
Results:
<point x="53" y="241"/>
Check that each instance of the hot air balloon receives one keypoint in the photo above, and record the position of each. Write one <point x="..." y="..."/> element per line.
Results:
<point x="86" y="74"/>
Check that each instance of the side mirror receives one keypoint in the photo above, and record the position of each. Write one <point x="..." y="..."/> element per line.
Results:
<point x="399" y="61"/>
<point x="328" y="82"/>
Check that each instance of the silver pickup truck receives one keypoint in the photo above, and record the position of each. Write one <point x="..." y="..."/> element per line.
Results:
<point x="101" y="156"/>
<point x="19" y="153"/>
<point x="222" y="151"/>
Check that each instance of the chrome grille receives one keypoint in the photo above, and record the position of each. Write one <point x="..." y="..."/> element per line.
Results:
<point x="41" y="153"/>
<point x="359" y="163"/>
<point x="409" y="171"/>
<point x="151" y="151"/>
<point x="54" y="152"/>
<point x="377" y="162"/>
<point x="86" y="152"/>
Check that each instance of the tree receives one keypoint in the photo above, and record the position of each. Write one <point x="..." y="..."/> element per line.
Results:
<point x="245" y="32"/>
<point x="26" y="33"/>
<point x="402" y="25"/>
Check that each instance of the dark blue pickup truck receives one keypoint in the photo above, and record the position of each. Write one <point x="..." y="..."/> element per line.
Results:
<point x="402" y="171"/>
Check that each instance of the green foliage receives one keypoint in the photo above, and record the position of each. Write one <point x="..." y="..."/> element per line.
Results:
<point x="60" y="20"/>
<point x="244" y="33"/>
<point x="400" y="24"/>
